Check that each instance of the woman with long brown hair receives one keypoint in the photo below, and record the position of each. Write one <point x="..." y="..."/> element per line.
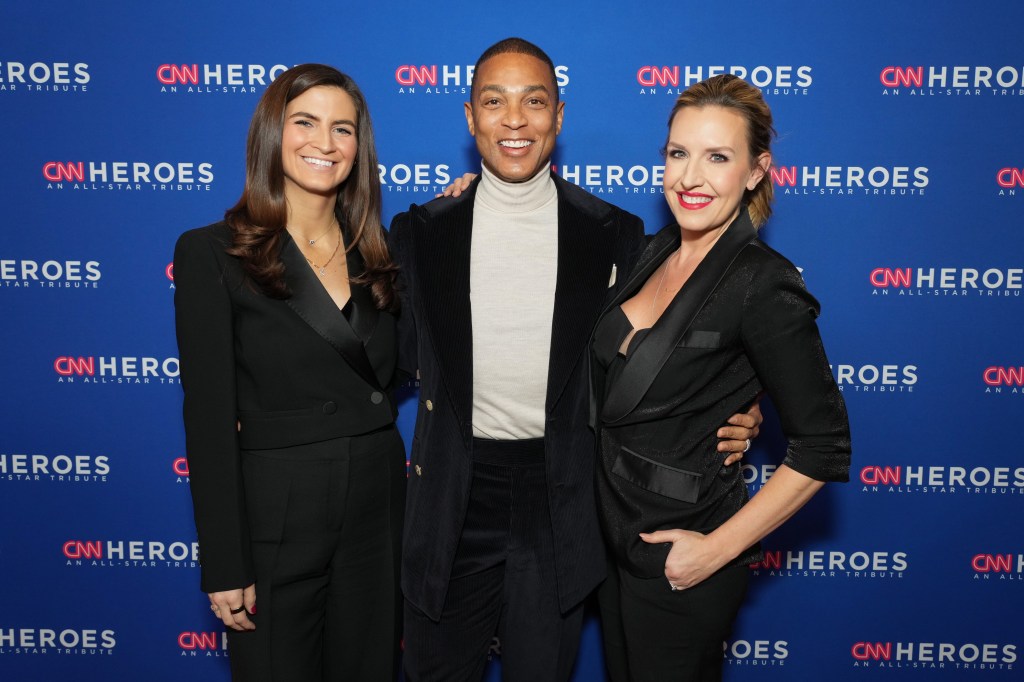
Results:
<point x="286" y="333"/>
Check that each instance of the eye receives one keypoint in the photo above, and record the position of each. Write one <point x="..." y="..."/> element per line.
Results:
<point x="719" y="158"/>
<point x="304" y="122"/>
<point x="675" y="154"/>
<point x="344" y="131"/>
<point x="536" y="102"/>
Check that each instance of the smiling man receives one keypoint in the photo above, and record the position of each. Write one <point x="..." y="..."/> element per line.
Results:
<point x="501" y="288"/>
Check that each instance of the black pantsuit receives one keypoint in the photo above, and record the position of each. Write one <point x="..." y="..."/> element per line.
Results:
<point x="743" y="323"/>
<point x="296" y="469"/>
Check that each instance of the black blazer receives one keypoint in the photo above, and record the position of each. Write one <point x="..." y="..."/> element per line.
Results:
<point x="741" y="324"/>
<point x="289" y="372"/>
<point x="431" y="244"/>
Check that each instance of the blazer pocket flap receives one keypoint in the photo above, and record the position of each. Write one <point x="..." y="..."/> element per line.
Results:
<point x="696" y="338"/>
<point x="656" y="477"/>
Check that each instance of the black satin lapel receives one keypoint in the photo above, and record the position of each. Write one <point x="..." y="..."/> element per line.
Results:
<point x="442" y="252"/>
<point x="646" y="361"/>
<point x="585" y="258"/>
<point x="364" y="315"/>
<point x="314" y="305"/>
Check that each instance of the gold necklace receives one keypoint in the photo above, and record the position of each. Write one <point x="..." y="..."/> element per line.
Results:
<point x="312" y="242"/>
<point x="661" y="281"/>
<point x="322" y="269"/>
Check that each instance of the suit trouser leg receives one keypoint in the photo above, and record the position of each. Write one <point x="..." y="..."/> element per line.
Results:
<point x="325" y="550"/>
<point x="674" y="635"/>
<point x="503" y="573"/>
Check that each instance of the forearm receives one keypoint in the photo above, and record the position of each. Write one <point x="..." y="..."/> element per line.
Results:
<point x="781" y="497"/>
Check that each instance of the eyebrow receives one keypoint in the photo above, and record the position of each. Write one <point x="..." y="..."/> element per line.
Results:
<point x="722" y="148"/>
<point x="502" y="89"/>
<point x="306" y="114"/>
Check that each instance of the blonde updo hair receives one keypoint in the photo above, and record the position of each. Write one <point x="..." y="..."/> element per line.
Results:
<point x="730" y="92"/>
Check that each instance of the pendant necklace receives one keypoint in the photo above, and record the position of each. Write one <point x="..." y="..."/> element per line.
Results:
<point x="322" y="269"/>
<point x="312" y="242"/>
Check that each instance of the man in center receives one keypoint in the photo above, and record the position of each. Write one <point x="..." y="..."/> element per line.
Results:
<point x="501" y="289"/>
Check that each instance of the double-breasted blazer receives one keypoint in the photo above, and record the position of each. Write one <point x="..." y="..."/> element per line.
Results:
<point x="743" y="323"/>
<point x="431" y="244"/>
<point x="262" y="373"/>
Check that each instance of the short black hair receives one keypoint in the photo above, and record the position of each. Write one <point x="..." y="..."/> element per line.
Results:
<point x="516" y="46"/>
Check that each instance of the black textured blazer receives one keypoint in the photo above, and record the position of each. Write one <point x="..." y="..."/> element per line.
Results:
<point x="741" y="324"/>
<point x="431" y="244"/>
<point x="261" y="373"/>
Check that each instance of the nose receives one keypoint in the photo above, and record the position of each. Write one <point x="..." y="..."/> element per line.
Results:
<point x="323" y="139"/>
<point x="691" y="175"/>
<point x="514" y="117"/>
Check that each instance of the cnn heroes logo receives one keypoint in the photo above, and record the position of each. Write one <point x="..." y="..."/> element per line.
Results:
<point x="129" y="176"/>
<point x="49" y="274"/>
<point x="130" y="553"/>
<point x="934" y="655"/>
<point x="54" y="468"/>
<point x="414" y="177"/>
<point x="998" y="566"/>
<point x="758" y="652"/>
<point x="952" y="81"/>
<point x="871" y="181"/>
<point x="947" y="282"/>
<point x="125" y="370"/>
<point x="229" y="79"/>
<point x="18" y="76"/>
<point x="875" y="378"/>
<point x="998" y="380"/>
<point x="830" y="564"/>
<point x="57" y="641"/>
<point x="943" y="480"/>
<point x="194" y="644"/>
<point x="771" y="80"/>
<point x="1009" y="180"/>
<point x="451" y="79"/>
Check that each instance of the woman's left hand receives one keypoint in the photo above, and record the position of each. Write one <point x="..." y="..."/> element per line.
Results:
<point x="460" y="185"/>
<point x="692" y="558"/>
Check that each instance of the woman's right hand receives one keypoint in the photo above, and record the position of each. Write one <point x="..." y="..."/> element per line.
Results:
<point x="222" y="604"/>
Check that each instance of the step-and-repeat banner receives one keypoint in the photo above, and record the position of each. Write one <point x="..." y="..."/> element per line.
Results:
<point x="900" y="193"/>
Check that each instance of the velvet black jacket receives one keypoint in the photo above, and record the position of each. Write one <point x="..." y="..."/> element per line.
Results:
<point x="431" y="245"/>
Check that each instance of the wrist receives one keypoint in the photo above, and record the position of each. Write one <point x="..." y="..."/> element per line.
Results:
<point x="721" y="547"/>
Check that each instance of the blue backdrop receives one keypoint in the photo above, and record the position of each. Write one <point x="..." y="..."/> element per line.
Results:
<point x="900" y="182"/>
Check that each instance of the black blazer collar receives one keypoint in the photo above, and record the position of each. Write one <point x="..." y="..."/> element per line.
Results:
<point x="314" y="305"/>
<point x="650" y="356"/>
<point x="585" y="258"/>
<point x="442" y="253"/>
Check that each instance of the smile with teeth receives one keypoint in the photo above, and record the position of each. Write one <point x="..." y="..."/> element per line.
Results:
<point x="693" y="201"/>
<point x="516" y="144"/>
<point x="323" y="163"/>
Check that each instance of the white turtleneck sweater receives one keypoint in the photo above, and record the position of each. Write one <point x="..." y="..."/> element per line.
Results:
<point x="513" y="268"/>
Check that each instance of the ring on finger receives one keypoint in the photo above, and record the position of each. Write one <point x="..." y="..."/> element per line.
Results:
<point x="235" y="612"/>
<point x="214" y="608"/>
<point x="748" y="446"/>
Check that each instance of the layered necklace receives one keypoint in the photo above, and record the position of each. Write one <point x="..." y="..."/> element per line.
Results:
<point x="322" y="269"/>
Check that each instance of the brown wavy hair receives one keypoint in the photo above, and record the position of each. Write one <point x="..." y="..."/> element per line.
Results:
<point x="730" y="92"/>
<point x="259" y="218"/>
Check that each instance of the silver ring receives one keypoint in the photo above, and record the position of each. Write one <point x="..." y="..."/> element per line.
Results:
<point x="213" y="607"/>
<point x="748" y="446"/>
<point x="672" y="587"/>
